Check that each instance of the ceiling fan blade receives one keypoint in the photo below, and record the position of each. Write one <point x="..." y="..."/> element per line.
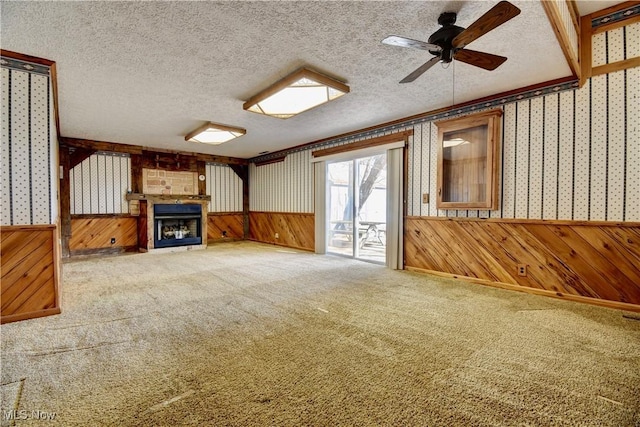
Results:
<point x="496" y="16"/>
<point x="420" y="70"/>
<point x="410" y="43"/>
<point x="484" y="60"/>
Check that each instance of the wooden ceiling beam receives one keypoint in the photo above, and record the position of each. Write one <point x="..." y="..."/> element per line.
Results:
<point x="114" y="147"/>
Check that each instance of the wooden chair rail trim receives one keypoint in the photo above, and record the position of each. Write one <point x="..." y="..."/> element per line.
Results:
<point x="529" y="221"/>
<point x="34" y="227"/>
<point x="365" y="143"/>
<point x="535" y="291"/>
<point x="225" y="213"/>
<point x="282" y="213"/>
<point x="102" y="216"/>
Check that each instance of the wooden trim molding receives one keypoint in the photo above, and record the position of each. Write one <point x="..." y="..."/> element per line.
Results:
<point x="100" y="216"/>
<point x="284" y="213"/>
<point x="224" y="213"/>
<point x="115" y="147"/>
<point x="487" y="199"/>
<point x="607" y="24"/>
<point x="365" y="143"/>
<point x="616" y="66"/>
<point x="575" y="15"/>
<point x="534" y="291"/>
<point x="202" y="172"/>
<point x="555" y="19"/>
<point x="242" y="171"/>
<point x="527" y="221"/>
<point x="31" y="315"/>
<point x="26" y="58"/>
<point x="586" y="49"/>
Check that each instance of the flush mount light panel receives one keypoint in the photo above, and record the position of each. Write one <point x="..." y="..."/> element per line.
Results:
<point x="215" y="134"/>
<point x="298" y="92"/>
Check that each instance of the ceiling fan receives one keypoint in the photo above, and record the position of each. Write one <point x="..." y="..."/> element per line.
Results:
<point x="448" y="43"/>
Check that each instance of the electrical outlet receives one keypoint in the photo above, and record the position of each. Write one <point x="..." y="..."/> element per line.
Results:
<point x="425" y="198"/>
<point x="113" y="240"/>
<point x="277" y="235"/>
<point x="522" y="270"/>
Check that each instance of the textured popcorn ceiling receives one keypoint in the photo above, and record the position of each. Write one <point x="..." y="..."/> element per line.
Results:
<point x="147" y="73"/>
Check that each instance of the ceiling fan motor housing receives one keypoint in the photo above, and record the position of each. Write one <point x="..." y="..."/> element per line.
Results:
<point x="445" y="35"/>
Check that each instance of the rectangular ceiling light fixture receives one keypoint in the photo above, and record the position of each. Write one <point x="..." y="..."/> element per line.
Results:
<point x="215" y="134"/>
<point x="298" y="92"/>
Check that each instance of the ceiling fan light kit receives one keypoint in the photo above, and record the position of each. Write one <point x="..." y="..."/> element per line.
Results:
<point x="449" y="41"/>
<point x="298" y="92"/>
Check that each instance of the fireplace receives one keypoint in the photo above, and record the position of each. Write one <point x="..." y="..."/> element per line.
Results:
<point x="177" y="225"/>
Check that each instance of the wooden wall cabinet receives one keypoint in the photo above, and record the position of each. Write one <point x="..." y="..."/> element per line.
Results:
<point x="468" y="150"/>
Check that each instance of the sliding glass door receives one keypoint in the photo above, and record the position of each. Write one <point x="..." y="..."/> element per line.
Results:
<point x="357" y="208"/>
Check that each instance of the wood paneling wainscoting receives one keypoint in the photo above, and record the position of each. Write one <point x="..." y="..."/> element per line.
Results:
<point x="92" y="234"/>
<point x="594" y="262"/>
<point x="295" y="230"/>
<point x="224" y="226"/>
<point x="29" y="272"/>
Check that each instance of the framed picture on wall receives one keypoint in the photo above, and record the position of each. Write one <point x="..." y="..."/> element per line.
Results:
<point x="468" y="150"/>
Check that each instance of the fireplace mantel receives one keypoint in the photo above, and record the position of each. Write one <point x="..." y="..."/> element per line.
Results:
<point x="167" y="197"/>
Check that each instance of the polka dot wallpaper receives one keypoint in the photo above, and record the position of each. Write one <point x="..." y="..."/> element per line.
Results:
<point x="26" y="177"/>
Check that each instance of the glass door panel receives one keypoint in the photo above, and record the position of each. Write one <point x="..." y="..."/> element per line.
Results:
<point x="357" y="195"/>
<point x="371" y="188"/>
<point x="341" y="208"/>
